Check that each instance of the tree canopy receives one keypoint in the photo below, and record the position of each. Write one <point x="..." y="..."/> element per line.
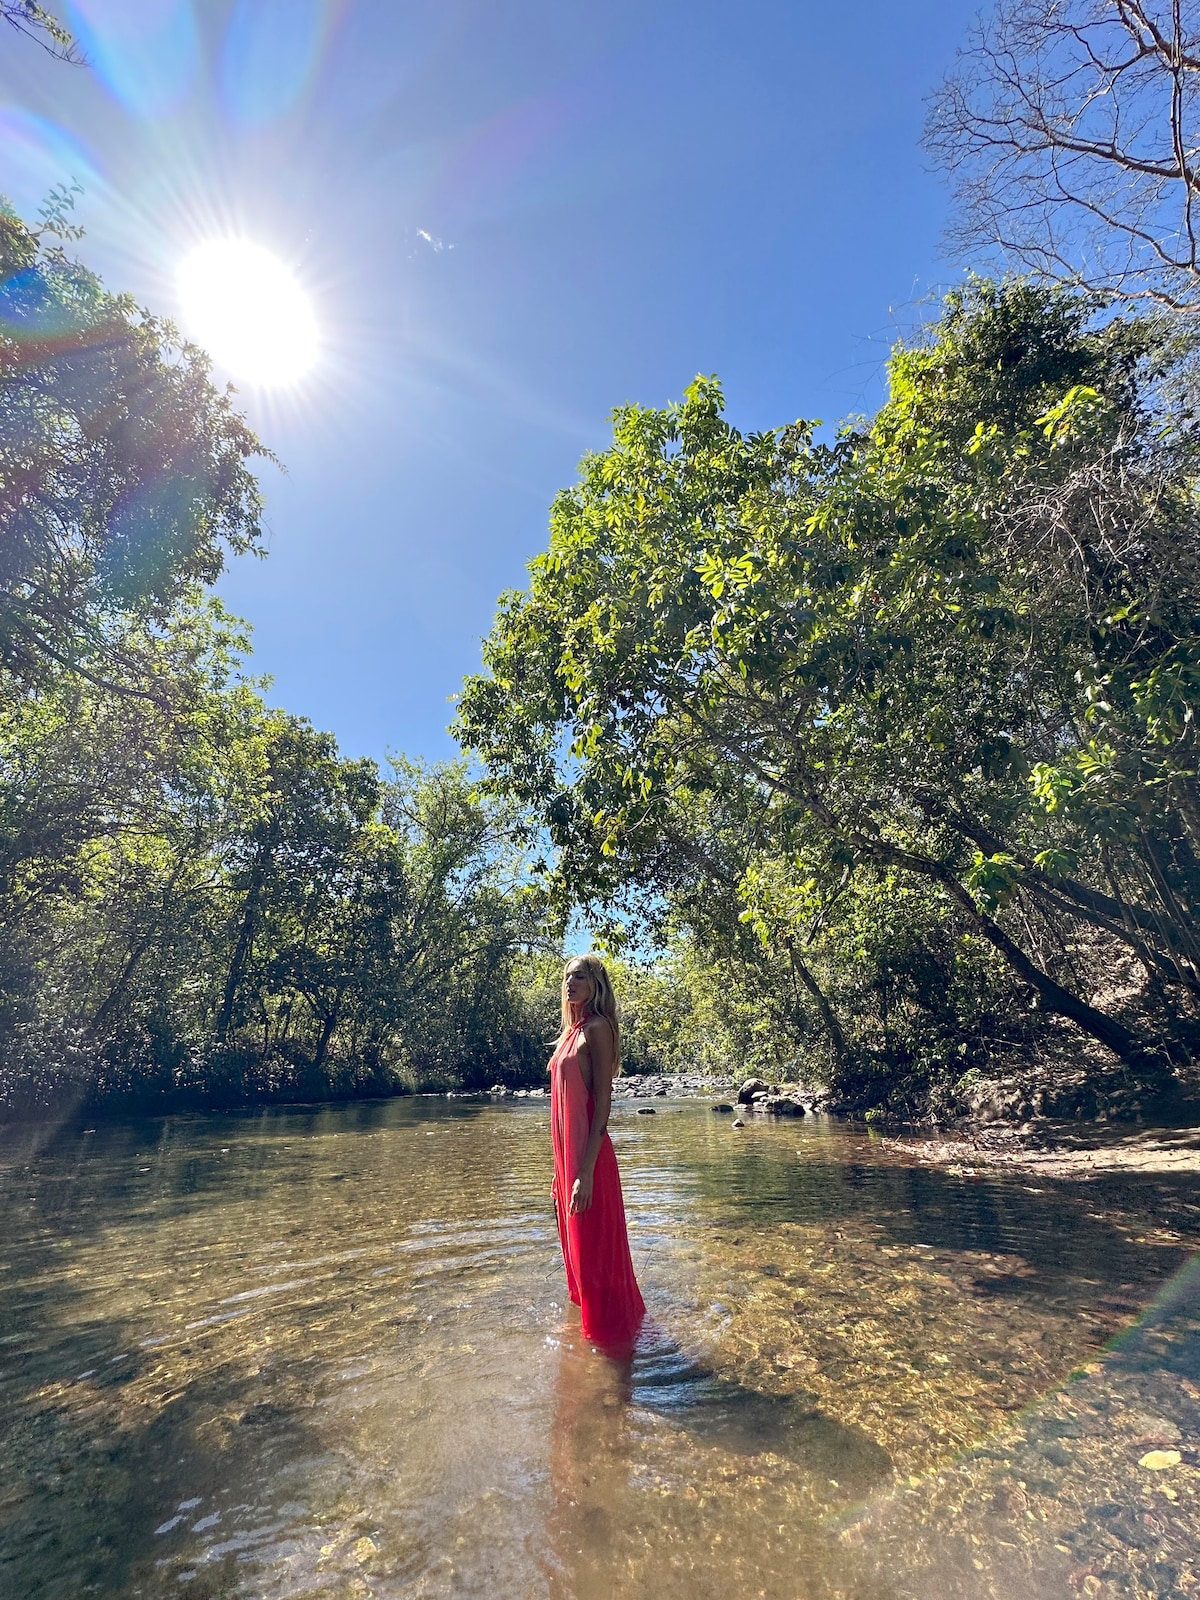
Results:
<point x="200" y="898"/>
<point x="923" y="696"/>
<point x="124" y="471"/>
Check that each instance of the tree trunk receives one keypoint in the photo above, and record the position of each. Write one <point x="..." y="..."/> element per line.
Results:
<point x="1130" y="1047"/>
<point x="245" y="938"/>
<point x="832" y="1026"/>
<point x="1122" y="1041"/>
<point x="1187" y="801"/>
<point x="328" y="1025"/>
<point x="117" y="993"/>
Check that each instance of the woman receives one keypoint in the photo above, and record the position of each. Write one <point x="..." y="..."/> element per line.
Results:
<point x="587" y="1186"/>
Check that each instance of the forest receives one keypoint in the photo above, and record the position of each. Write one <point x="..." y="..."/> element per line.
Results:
<point x="201" y="901"/>
<point x="868" y="754"/>
<point x="905" y="720"/>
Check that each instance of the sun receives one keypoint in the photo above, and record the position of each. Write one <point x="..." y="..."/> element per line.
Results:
<point x="242" y="305"/>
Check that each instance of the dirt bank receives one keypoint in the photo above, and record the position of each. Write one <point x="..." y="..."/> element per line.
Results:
<point x="1067" y="1152"/>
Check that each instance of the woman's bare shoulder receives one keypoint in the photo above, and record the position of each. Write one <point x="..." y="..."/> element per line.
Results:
<point x="597" y="1027"/>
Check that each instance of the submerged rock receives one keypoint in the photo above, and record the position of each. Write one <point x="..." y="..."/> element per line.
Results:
<point x="645" y="1111"/>
<point x="783" y="1105"/>
<point x="722" y="1107"/>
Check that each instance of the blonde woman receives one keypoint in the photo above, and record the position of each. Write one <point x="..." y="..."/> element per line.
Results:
<point x="587" y="1185"/>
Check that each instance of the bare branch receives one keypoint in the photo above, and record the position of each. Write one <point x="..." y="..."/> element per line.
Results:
<point x="33" y="20"/>
<point x="1071" y="132"/>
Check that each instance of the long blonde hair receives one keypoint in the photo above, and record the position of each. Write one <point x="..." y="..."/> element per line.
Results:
<point x="602" y="1004"/>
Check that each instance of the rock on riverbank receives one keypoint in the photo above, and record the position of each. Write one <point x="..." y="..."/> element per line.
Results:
<point x="779" y="1099"/>
<point x="640" y="1086"/>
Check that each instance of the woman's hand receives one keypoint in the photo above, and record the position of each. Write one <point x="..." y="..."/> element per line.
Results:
<point x="581" y="1194"/>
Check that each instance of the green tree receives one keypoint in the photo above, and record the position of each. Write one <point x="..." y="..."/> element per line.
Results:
<point x="955" y="649"/>
<point x="123" y="469"/>
<point x="201" y="900"/>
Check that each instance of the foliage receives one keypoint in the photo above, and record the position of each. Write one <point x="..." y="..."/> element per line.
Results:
<point x="211" y="905"/>
<point x="123" y="469"/>
<point x="201" y="900"/>
<point x="948" y="662"/>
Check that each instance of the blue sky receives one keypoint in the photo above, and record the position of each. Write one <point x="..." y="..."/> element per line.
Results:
<point x="511" y="217"/>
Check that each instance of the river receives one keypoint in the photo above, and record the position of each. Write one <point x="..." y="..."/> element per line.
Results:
<point x="327" y="1352"/>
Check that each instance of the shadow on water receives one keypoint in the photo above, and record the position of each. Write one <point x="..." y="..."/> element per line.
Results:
<point x="684" y="1392"/>
<point x="1070" y="1235"/>
<point x="629" y="1441"/>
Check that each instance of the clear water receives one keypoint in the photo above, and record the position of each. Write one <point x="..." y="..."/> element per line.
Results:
<point x="328" y="1353"/>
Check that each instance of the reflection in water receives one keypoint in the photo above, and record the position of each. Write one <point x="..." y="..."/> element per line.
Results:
<point x="324" y="1353"/>
<point x="606" y="1426"/>
<point x="589" y="1472"/>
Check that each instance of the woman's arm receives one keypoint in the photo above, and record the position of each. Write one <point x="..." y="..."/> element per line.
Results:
<point x="598" y="1037"/>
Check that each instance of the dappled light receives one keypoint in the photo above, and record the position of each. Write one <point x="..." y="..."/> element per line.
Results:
<point x="332" y="1346"/>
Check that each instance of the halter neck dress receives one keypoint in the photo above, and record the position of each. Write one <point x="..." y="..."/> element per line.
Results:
<point x="595" y="1244"/>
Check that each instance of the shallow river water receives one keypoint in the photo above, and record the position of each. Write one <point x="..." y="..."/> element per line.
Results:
<point x="328" y="1353"/>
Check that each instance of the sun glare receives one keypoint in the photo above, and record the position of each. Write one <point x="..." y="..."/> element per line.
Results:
<point x="247" y="310"/>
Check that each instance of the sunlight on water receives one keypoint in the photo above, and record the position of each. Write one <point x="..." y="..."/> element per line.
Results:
<point x="328" y="1353"/>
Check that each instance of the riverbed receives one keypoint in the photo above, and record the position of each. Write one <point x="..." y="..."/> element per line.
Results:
<point x="327" y="1352"/>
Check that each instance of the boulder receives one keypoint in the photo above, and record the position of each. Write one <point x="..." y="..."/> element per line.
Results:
<point x="783" y="1105"/>
<point x="749" y="1089"/>
<point x="722" y="1107"/>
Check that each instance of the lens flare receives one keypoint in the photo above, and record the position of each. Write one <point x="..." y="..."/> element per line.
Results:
<point x="247" y="310"/>
<point x="146" y="52"/>
<point x="269" y="56"/>
<point x="39" y="156"/>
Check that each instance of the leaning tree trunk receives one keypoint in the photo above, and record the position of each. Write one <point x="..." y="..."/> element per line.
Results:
<point x="1143" y="1055"/>
<point x="1129" y="1046"/>
<point x="245" y="938"/>
<point x="837" y="1039"/>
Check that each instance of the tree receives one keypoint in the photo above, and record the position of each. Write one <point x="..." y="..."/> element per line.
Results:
<point x="1071" y="129"/>
<point x="955" y="653"/>
<point x="33" y="20"/>
<point x="200" y="898"/>
<point x="123" y="469"/>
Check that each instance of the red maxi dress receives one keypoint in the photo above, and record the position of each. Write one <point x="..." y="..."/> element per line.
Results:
<point x="595" y="1245"/>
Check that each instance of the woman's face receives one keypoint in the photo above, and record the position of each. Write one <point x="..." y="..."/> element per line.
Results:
<point x="577" y="984"/>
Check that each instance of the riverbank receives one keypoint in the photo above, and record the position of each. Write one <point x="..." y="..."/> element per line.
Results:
<point x="632" y="1086"/>
<point x="1068" y="1151"/>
